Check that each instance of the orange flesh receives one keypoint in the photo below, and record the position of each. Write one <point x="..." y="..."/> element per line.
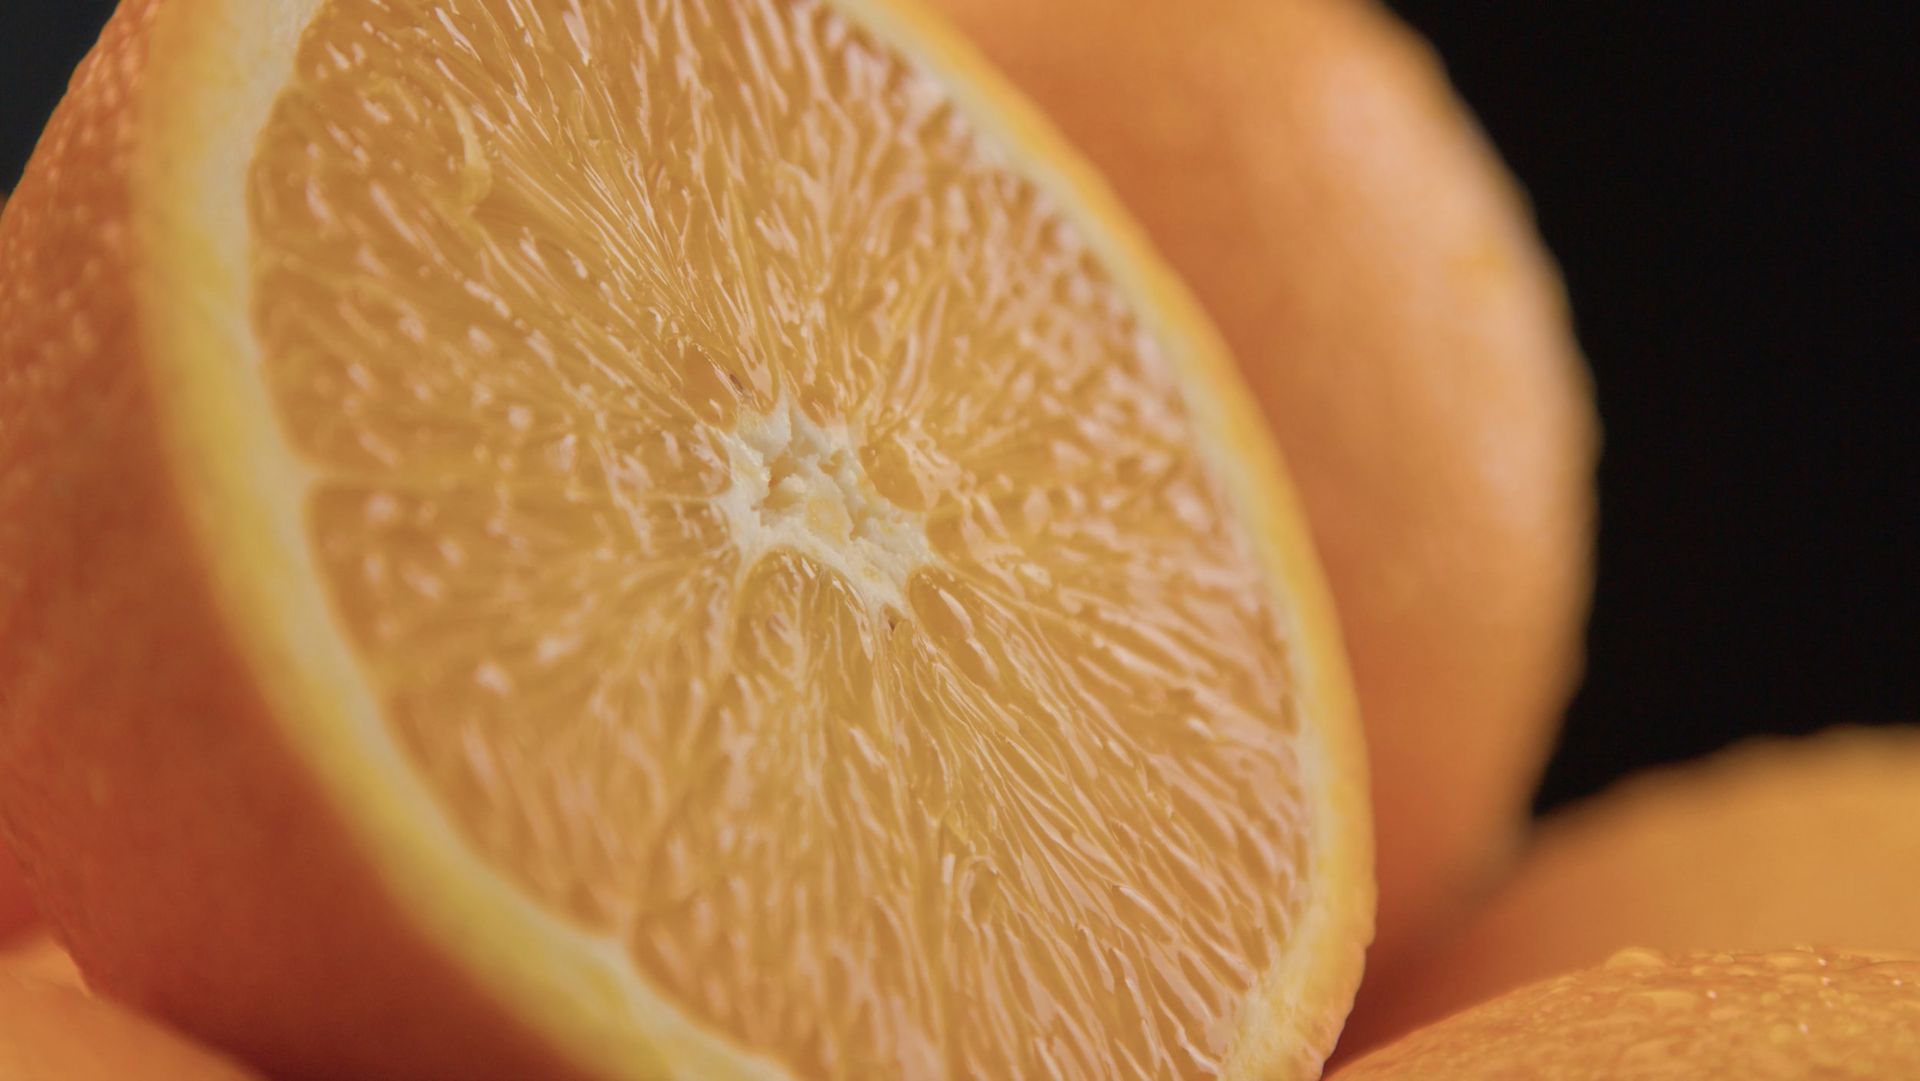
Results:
<point x="776" y="541"/>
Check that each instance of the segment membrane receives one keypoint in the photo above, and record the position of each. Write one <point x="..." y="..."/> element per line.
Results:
<point x="773" y="535"/>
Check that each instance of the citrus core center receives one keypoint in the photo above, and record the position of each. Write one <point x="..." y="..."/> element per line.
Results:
<point x="800" y="485"/>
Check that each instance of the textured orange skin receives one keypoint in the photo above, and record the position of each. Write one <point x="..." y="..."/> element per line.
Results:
<point x="16" y="908"/>
<point x="1804" y="841"/>
<point x="192" y="865"/>
<point x="1304" y="166"/>
<point x="48" y="1031"/>
<point x="1787" y="1016"/>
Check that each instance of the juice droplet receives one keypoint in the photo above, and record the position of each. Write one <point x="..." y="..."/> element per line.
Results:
<point x="1637" y="957"/>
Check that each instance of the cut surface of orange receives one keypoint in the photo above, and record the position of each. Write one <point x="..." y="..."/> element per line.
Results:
<point x="697" y="521"/>
<point x="1781" y="1015"/>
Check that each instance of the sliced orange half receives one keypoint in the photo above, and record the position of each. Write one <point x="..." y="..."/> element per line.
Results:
<point x="648" y="538"/>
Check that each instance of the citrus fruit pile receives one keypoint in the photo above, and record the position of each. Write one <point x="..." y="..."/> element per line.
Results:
<point x="698" y="539"/>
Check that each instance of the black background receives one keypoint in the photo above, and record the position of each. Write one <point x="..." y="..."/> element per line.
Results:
<point x="1731" y="188"/>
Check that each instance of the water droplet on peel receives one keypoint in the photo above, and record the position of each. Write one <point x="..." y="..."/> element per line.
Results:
<point x="493" y="677"/>
<point x="1637" y="957"/>
<point x="382" y="509"/>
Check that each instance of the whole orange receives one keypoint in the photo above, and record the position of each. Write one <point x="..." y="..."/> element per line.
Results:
<point x="1778" y="1015"/>
<point x="1810" y="841"/>
<point x="1305" y="166"/>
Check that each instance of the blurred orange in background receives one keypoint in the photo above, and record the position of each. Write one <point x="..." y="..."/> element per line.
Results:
<point x="1778" y="1015"/>
<point x="1775" y="843"/>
